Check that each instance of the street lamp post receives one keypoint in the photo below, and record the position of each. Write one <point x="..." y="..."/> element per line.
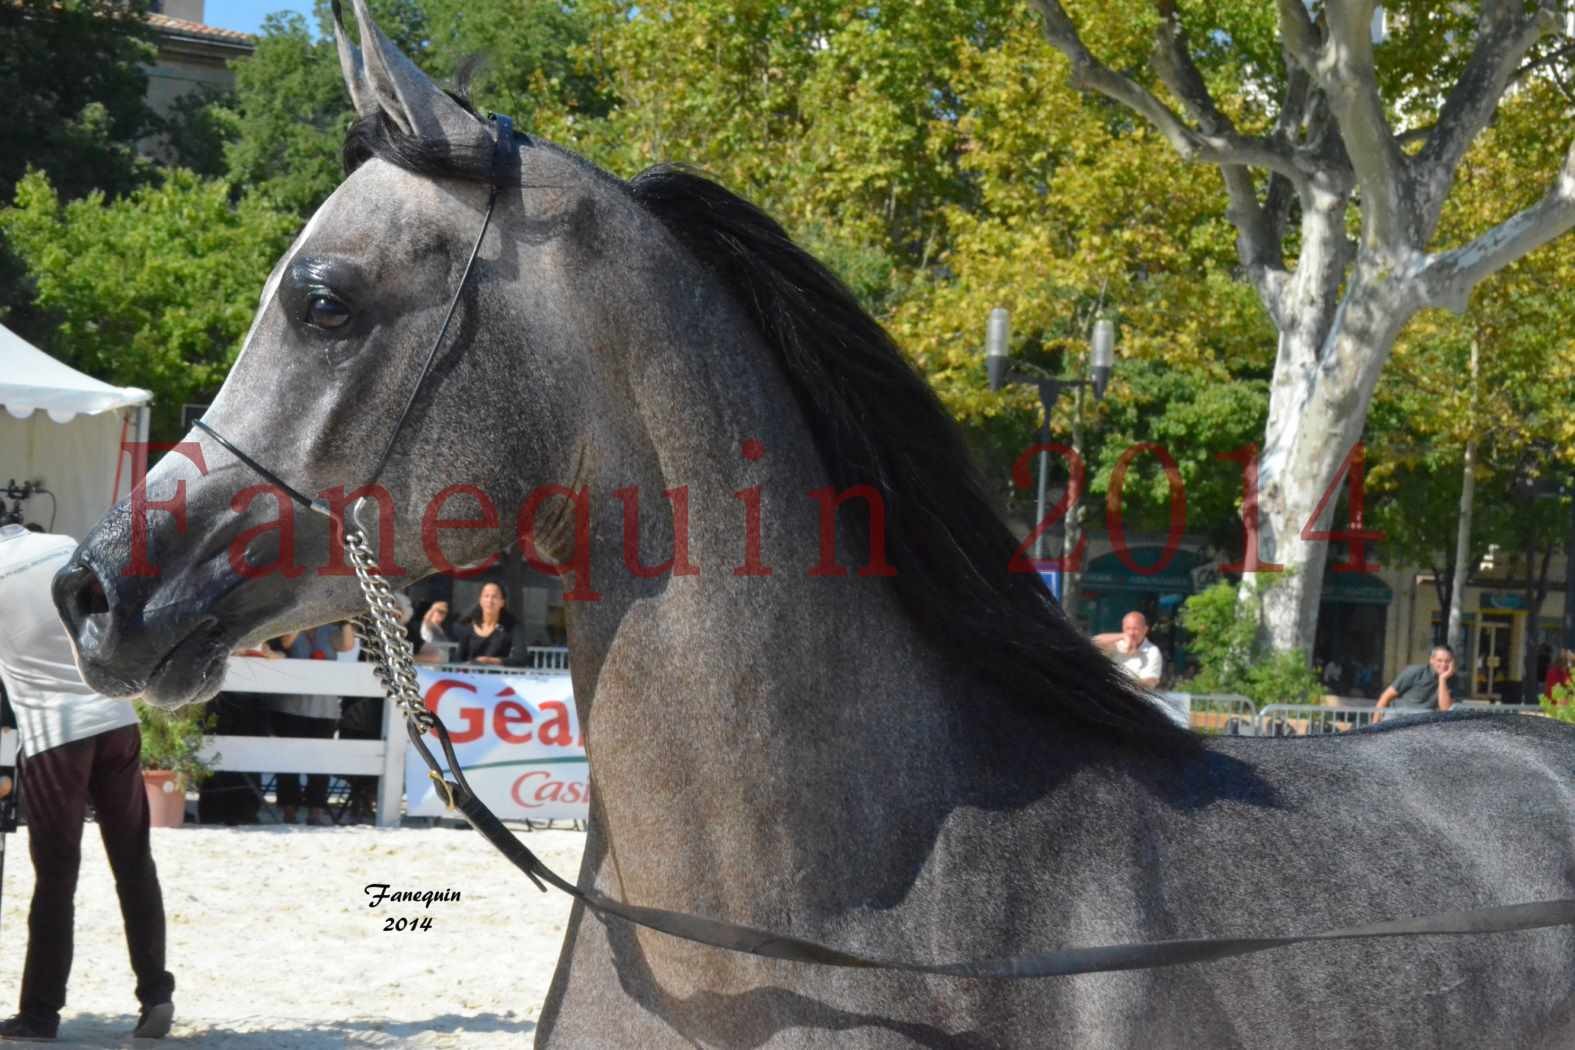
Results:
<point x="1002" y="371"/>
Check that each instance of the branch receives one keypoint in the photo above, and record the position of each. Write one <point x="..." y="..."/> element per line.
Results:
<point x="1505" y="32"/>
<point x="1447" y="279"/>
<point x="1258" y="236"/>
<point x="1258" y="240"/>
<point x="1299" y="34"/>
<point x="1226" y="147"/>
<point x="1295" y="105"/>
<point x="1345" y="72"/>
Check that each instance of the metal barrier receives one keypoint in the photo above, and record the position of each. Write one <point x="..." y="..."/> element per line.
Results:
<point x="1313" y="719"/>
<point x="547" y="658"/>
<point x="1320" y="719"/>
<point x="1225" y="714"/>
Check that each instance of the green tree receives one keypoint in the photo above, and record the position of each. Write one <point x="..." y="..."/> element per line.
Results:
<point x="535" y="60"/>
<point x="1514" y="416"/>
<point x="156" y="289"/>
<point x="72" y="74"/>
<point x="286" y="123"/>
<point x="1227" y="639"/>
<point x="1338" y="157"/>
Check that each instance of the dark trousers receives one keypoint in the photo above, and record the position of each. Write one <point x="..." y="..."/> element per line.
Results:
<point x="58" y="784"/>
<point x="361" y="718"/>
<point x="288" y="785"/>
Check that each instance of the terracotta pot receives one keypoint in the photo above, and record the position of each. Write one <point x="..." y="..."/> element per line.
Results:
<point x="166" y="798"/>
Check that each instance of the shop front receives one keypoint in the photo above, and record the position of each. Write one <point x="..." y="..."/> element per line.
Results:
<point x="1348" y="650"/>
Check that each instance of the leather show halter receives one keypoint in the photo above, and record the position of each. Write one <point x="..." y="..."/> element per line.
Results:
<point x="387" y="644"/>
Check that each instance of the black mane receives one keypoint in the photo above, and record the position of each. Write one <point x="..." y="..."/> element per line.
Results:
<point x="876" y="422"/>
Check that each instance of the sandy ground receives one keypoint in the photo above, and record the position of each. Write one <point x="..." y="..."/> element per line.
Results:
<point x="274" y="947"/>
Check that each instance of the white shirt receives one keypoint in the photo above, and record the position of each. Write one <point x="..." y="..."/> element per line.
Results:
<point x="1147" y="662"/>
<point x="53" y="706"/>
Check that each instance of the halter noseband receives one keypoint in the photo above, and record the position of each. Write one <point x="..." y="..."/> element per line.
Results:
<point x="502" y="148"/>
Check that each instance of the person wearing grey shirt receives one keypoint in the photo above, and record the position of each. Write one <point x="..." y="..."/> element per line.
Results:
<point x="1434" y="686"/>
<point x="313" y="717"/>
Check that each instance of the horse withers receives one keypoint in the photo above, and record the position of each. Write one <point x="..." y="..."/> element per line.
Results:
<point x="910" y="755"/>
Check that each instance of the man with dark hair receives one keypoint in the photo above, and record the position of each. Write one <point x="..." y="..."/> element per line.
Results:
<point x="77" y="747"/>
<point x="1434" y="686"/>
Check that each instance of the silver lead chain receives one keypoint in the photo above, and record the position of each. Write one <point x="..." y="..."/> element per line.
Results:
<point x="383" y="635"/>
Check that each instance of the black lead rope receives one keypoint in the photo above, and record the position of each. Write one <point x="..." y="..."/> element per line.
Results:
<point x="1058" y="963"/>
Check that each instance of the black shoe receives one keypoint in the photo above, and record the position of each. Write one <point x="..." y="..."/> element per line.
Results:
<point x="24" y="1027"/>
<point x="155" y="1021"/>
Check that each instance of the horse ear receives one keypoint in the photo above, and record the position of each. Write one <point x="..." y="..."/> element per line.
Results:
<point x="382" y="79"/>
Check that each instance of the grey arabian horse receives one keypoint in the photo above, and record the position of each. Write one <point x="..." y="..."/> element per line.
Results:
<point x="927" y="766"/>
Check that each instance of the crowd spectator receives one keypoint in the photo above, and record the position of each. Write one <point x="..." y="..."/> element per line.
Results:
<point x="1558" y="672"/>
<point x="1133" y="652"/>
<point x="309" y="716"/>
<point x="1420" y="688"/>
<point x="233" y="797"/>
<point x="485" y="635"/>
<point x="433" y="642"/>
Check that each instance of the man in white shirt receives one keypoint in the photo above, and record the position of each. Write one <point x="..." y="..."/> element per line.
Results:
<point x="77" y="747"/>
<point x="1133" y="652"/>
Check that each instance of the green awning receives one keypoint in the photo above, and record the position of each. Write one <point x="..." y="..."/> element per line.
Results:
<point x="1355" y="588"/>
<point x="1108" y="572"/>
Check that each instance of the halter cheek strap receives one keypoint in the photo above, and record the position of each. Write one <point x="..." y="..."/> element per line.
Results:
<point x="502" y="152"/>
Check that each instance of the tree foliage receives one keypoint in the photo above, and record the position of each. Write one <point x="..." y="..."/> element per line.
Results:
<point x="943" y="157"/>
<point x="72" y="74"/>
<point x="155" y="289"/>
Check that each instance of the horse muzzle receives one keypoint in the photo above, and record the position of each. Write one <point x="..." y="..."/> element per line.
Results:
<point x="141" y="636"/>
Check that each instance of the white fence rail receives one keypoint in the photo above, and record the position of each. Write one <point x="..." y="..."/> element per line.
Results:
<point x="384" y="759"/>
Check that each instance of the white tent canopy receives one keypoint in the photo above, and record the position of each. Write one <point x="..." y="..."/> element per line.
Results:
<point x="31" y="380"/>
<point x="67" y="430"/>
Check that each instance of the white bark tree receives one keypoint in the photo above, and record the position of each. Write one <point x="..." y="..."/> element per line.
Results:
<point x="1338" y="308"/>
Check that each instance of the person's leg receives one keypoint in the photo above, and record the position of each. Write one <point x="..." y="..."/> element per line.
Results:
<point x="287" y="786"/>
<point x="55" y="789"/>
<point x="317" y="783"/>
<point x="122" y="809"/>
<point x="361" y="718"/>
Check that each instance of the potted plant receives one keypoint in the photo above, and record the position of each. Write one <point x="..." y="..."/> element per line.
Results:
<point x="171" y="760"/>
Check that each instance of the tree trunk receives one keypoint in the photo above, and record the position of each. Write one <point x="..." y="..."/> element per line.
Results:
<point x="1468" y="481"/>
<point x="1536" y="594"/>
<point x="1072" y="581"/>
<point x="1444" y="589"/>
<point x="1318" y="406"/>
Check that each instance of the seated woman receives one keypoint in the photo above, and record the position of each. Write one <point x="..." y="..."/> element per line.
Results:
<point x="485" y="635"/>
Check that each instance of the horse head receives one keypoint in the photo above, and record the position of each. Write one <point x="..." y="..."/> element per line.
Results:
<point x="368" y="346"/>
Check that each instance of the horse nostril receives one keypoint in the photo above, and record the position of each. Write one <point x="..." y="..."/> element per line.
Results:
<point x="91" y="599"/>
<point x="80" y="596"/>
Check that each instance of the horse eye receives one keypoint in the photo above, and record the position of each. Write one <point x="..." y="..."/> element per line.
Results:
<point x="324" y="311"/>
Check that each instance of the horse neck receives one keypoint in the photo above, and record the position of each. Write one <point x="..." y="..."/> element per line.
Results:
<point x="719" y="676"/>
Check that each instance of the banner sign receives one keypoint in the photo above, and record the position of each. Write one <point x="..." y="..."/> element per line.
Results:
<point x="518" y="740"/>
